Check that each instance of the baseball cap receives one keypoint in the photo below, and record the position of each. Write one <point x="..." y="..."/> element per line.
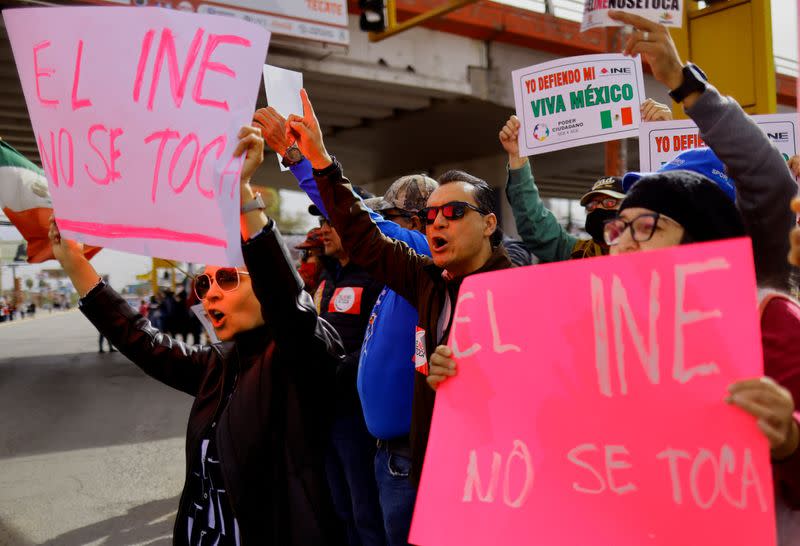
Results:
<point x="409" y="193"/>
<point x="313" y="240"/>
<point x="610" y="186"/>
<point x="700" y="160"/>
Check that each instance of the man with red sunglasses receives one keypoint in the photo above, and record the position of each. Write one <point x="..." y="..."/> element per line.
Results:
<point x="461" y="229"/>
<point x="259" y="423"/>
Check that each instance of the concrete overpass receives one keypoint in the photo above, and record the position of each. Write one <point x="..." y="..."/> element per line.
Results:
<point x="427" y="100"/>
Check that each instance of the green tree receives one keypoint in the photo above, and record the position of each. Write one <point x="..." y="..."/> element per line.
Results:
<point x="29" y="283"/>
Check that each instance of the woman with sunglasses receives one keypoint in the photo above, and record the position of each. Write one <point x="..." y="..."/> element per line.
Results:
<point x="258" y="427"/>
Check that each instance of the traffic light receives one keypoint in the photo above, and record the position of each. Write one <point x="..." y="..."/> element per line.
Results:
<point x="372" y="19"/>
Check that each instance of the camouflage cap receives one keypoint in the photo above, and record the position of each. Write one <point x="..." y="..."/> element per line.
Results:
<point x="409" y="193"/>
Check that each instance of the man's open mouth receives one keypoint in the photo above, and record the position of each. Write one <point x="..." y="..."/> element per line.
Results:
<point x="439" y="243"/>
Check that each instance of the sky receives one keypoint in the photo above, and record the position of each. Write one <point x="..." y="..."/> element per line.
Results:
<point x="122" y="268"/>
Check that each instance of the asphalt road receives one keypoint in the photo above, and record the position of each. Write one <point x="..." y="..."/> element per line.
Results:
<point x="91" y="449"/>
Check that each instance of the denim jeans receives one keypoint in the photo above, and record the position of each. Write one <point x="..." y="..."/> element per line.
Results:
<point x="351" y="477"/>
<point x="397" y="494"/>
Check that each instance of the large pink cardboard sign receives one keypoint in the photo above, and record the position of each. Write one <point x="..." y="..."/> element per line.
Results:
<point x="589" y="407"/>
<point x="135" y="112"/>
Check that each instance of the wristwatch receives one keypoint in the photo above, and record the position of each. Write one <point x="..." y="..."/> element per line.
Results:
<point x="256" y="204"/>
<point x="292" y="156"/>
<point x="694" y="79"/>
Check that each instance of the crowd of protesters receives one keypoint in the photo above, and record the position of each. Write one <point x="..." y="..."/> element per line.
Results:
<point x="311" y="418"/>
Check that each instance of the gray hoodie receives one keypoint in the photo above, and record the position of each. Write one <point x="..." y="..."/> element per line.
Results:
<point x="764" y="184"/>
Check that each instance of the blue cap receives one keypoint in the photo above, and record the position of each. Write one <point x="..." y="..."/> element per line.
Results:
<point x="700" y="160"/>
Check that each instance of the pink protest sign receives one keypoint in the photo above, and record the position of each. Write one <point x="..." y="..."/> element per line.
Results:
<point x="589" y="407"/>
<point x="136" y="112"/>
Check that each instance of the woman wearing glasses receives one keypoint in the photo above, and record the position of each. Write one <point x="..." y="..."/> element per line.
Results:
<point x="257" y="428"/>
<point x="678" y="207"/>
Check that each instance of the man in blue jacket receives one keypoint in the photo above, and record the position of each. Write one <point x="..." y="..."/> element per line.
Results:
<point x="386" y="365"/>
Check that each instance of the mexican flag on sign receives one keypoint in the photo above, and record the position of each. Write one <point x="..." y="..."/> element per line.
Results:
<point x="25" y="199"/>
<point x="616" y="118"/>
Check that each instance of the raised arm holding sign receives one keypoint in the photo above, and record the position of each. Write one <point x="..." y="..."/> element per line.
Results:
<point x="261" y="397"/>
<point x="764" y="185"/>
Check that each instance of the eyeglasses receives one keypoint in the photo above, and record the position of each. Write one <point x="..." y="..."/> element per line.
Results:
<point x="642" y="228"/>
<point x="226" y="278"/>
<point x="607" y="203"/>
<point x="453" y="210"/>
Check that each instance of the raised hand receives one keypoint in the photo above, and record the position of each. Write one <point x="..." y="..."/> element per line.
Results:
<point x="652" y="41"/>
<point x="273" y="129"/>
<point x="794" y="165"/>
<point x="655" y="111"/>
<point x="251" y="143"/>
<point x="74" y="263"/>
<point x="305" y="131"/>
<point x="509" y="139"/>
<point x="66" y="251"/>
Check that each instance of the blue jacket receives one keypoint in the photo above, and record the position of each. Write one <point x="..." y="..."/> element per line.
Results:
<point x="386" y="366"/>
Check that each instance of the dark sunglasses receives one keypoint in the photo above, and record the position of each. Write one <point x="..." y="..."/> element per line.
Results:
<point x="226" y="278"/>
<point x="453" y="210"/>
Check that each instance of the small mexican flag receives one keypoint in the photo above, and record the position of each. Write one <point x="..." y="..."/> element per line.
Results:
<point x="25" y="199"/>
<point x="609" y="118"/>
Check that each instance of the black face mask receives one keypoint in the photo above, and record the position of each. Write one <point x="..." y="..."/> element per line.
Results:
<point x="595" y="221"/>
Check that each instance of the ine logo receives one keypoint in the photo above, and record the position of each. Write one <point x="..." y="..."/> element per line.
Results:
<point x="781" y="136"/>
<point x="541" y="131"/>
<point x="614" y="71"/>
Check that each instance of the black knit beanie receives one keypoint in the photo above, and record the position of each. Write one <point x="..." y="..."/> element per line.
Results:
<point x="692" y="200"/>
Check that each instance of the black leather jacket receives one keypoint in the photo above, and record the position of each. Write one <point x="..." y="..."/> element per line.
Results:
<point x="271" y="436"/>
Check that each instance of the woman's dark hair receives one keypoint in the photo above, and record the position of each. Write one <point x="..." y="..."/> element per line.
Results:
<point x="484" y="196"/>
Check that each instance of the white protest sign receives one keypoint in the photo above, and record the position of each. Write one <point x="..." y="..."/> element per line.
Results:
<point x="663" y="12"/>
<point x="283" y="93"/>
<point x="575" y="101"/>
<point x="136" y="113"/>
<point x="660" y="141"/>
